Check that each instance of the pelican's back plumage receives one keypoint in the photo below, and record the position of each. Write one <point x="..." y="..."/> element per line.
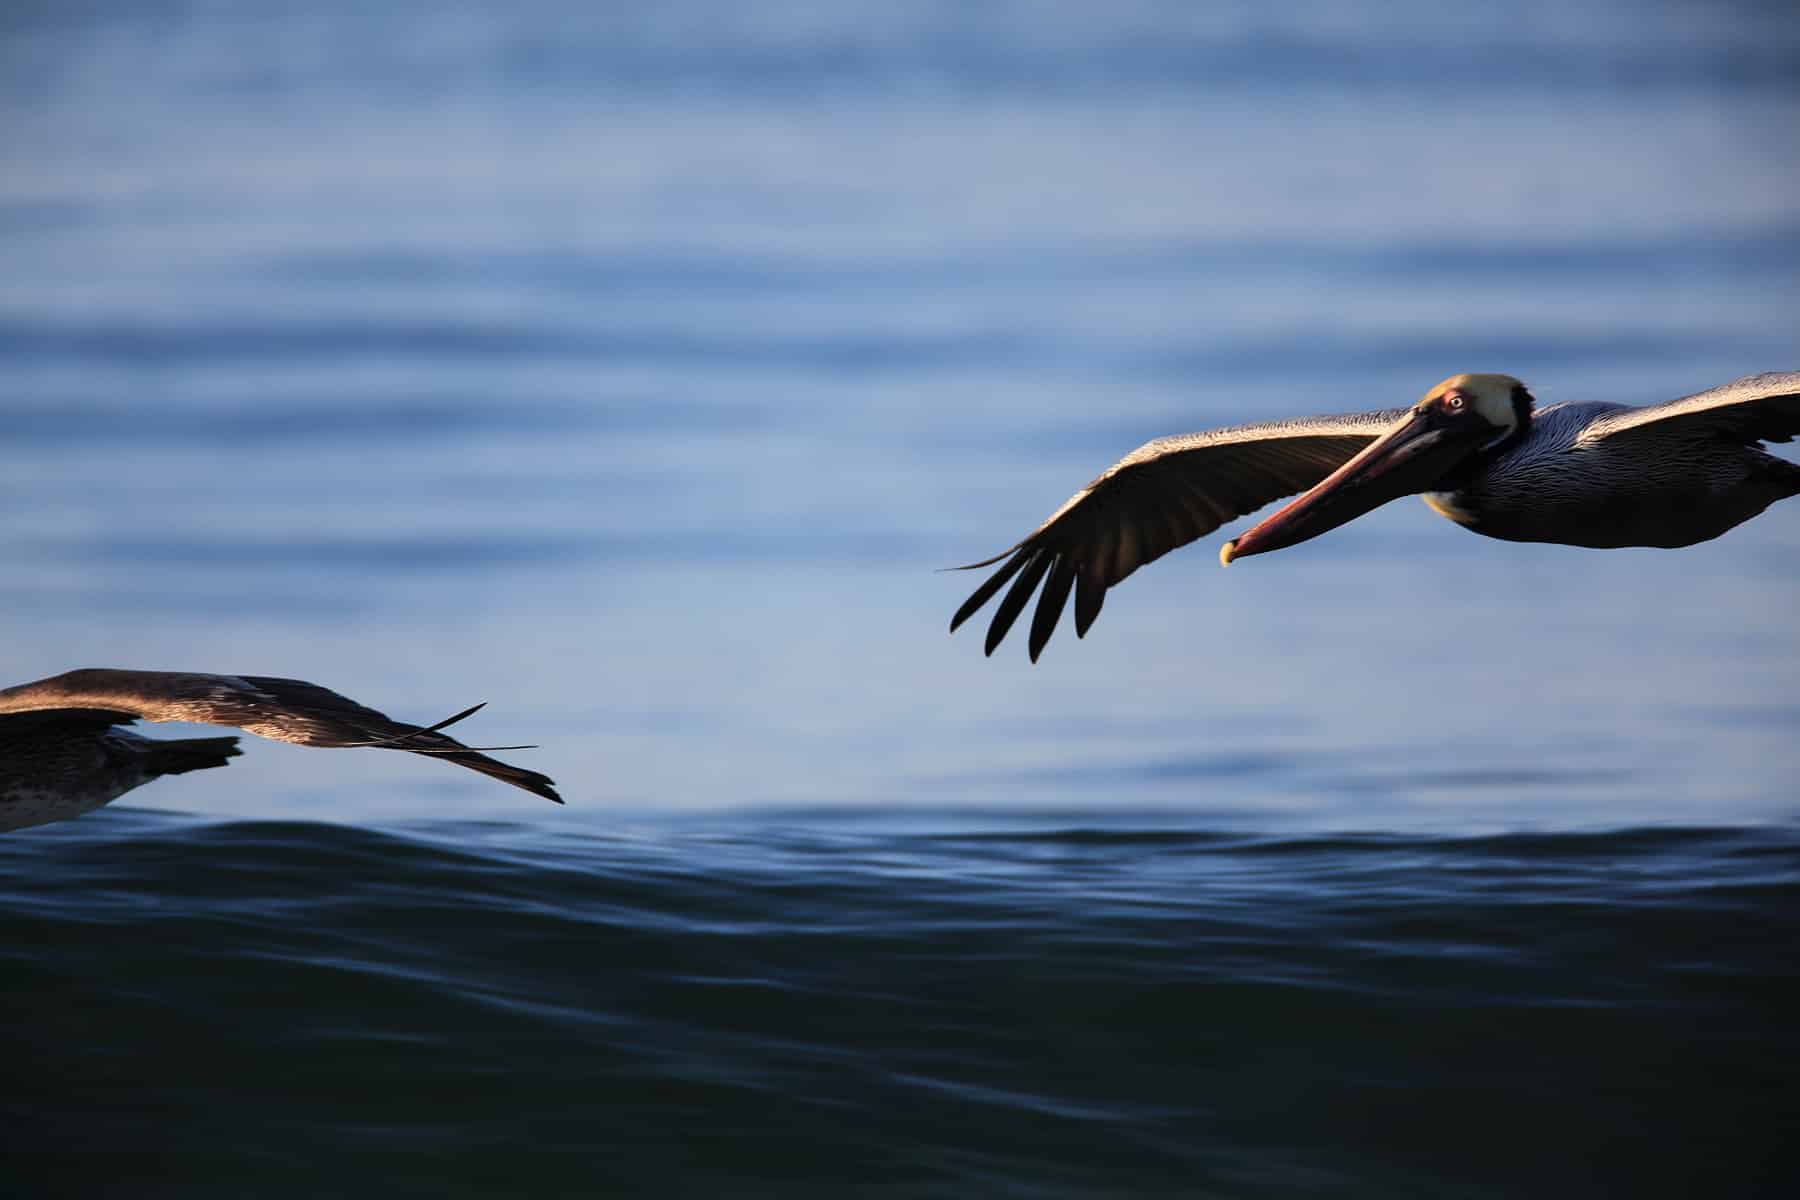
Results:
<point x="61" y="763"/>
<point x="1611" y="475"/>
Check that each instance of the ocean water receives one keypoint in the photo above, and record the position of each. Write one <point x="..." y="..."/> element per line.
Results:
<point x="1037" y="1007"/>
<point x="636" y="370"/>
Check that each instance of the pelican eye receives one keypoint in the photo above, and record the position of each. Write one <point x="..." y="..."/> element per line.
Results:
<point x="1454" y="402"/>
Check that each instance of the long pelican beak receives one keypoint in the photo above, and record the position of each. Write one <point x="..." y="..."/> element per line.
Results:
<point x="1411" y="457"/>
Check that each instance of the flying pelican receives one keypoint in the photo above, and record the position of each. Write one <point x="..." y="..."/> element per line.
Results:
<point x="1602" y="475"/>
<point x="60" y="755"/>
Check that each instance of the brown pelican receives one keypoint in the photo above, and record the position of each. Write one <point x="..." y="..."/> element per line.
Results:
<point x="1602" y="475"/>
<point x="60" y="755"/>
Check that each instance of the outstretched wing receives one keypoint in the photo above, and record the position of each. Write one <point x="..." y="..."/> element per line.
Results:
<point x="287" y="710"/>
<point x="1162" y="495"/>
<point x="1756" y="408"/>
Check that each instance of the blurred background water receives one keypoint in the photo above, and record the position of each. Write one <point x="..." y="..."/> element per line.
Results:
<point x="633" y="368"/>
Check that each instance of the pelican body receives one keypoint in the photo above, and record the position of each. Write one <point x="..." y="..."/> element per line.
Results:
<point x="1568" y="482"/>
<point x="1476" y="447"/>
<point x="62" y="755"/>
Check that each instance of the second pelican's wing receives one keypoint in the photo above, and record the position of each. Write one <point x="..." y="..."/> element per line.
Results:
<point x="287" y="710"/>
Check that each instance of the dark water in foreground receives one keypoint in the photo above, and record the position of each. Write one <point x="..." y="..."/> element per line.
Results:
<point x="964" y="1005"/>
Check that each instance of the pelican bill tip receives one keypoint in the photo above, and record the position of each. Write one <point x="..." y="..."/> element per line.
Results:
<point x="1227" y="552"/>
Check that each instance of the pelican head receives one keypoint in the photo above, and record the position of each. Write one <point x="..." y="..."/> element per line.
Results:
<point x="1500" y="400"/>
<point x="1460" y="418"/>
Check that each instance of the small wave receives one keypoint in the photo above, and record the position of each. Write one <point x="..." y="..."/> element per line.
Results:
<point x="942" y="1008"/>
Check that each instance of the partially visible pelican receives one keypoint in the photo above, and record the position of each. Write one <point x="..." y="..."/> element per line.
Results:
<point x="1603" y="475"/>
<point x="60" y="755"/>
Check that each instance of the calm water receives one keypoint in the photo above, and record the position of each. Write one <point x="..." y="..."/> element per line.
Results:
<point x="634" y="371"/>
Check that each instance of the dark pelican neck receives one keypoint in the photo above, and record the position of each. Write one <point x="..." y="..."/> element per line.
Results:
<point x="1472" y="467"/>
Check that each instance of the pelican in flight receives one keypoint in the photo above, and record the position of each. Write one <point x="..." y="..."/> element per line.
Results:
<point x="61" y="755"/>
<point x="1476" y="446"/>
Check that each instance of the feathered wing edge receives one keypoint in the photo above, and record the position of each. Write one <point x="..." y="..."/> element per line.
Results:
<point x="337" y="720"/>
<point x="1159" y="497"/>
<point x="1756" y="408"/>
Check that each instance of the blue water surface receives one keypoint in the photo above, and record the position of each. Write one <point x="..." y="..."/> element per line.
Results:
<point x="636" y="368"/>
